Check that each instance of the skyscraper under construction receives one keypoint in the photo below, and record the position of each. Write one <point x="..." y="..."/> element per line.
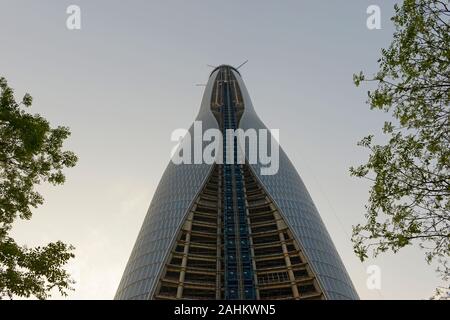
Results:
<point x="226" y="231"/>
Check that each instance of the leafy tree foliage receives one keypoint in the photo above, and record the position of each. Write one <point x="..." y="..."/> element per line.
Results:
<point x="409" y="198"/>
<point x="30" y="153"/>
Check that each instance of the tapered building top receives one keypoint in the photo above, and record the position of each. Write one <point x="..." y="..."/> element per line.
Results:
<point x="229" y="231"/>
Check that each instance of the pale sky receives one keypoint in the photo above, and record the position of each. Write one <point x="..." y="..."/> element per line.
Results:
<point x="127" y="79"/>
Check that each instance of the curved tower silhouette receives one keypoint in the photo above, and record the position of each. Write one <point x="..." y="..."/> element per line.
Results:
<point x="226" y="231"/>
